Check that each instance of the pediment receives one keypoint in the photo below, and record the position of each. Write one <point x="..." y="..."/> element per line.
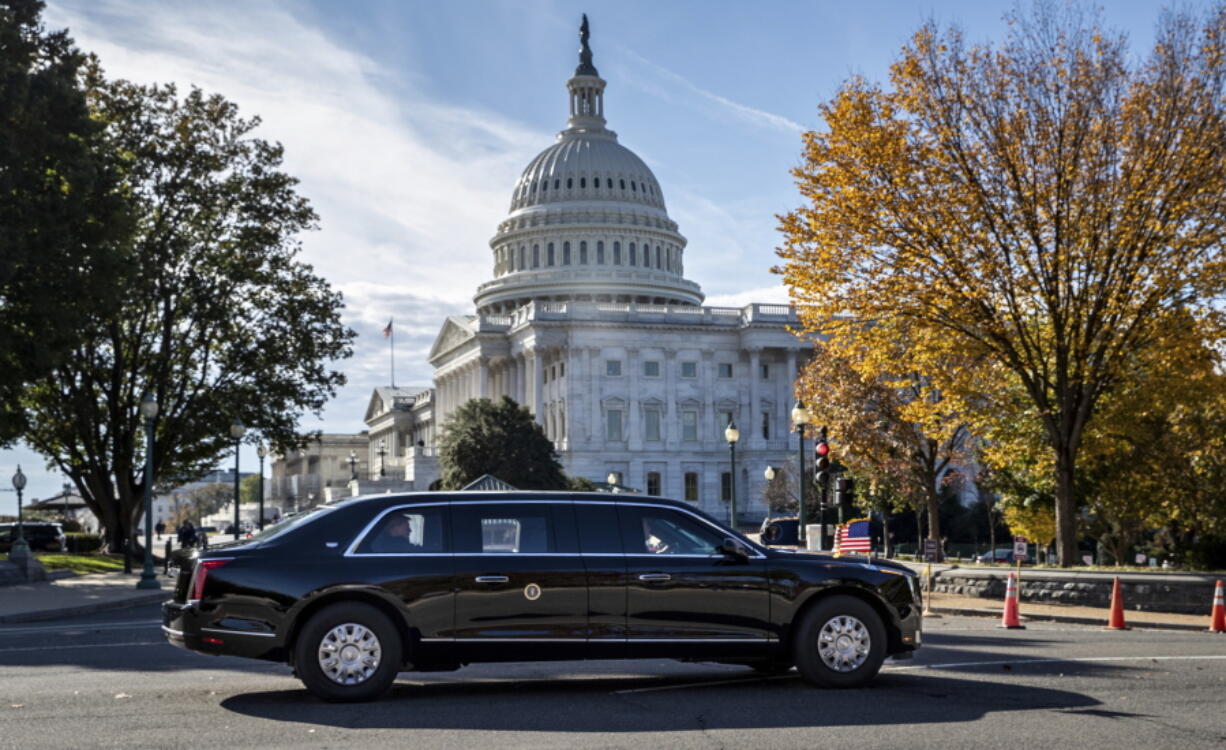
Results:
<point x="456" y="330"/>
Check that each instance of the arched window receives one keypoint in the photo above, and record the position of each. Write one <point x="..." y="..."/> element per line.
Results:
<point x="617" y="253"/>
<point x="600" y="252"/>
<point x="634" y="261"/>
<point x="623" y="183"/>
<point x="566" y="253"/>
<point x="582" y="182"/>
<point x="659" y="261"/>
<point x="544" y="186"/>
<point x="534" y="186"/>
<point x="556" y="183"/>
<point x="633" y="187"/>
<point x="582" y="247"/>
<point x="549" y="255"/>
<point x="570" y="182"/>
<point x="522" y="253"/>
<point x="536" y="256"/>
<point x="609" y="181"/>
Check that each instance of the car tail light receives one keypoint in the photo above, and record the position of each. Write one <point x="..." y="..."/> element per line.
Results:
<point x="201" y="573"/>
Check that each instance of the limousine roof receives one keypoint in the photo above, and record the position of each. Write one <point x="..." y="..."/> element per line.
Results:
<point x="517" y="495"/>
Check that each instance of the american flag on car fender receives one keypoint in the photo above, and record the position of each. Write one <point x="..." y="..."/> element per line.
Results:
<point x="853" y="536"/>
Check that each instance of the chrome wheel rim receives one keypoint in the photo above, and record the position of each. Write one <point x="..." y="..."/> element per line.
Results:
<point x="843" y="643"/>
<point x="349" y="654"/>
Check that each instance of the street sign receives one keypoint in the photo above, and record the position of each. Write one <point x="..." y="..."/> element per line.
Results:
<point x="930" y="550"/>
<point x="1019" y="548"/>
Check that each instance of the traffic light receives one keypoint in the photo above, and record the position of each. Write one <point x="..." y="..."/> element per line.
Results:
<point x="821" y="458"/>
<point x="845" y="491"/>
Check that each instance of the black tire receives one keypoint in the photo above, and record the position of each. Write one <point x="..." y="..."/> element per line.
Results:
<point x="855" y="661"/>
<point x="342" y="684"/>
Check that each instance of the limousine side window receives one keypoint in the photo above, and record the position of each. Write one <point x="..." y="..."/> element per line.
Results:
<point x="598" y="529"/>
<point x="666" y="532"/>
<point x="407" y="531"/>
<point x="504" y="529"/>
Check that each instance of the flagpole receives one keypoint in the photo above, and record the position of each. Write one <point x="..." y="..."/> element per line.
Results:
<point x="392" y="349"/>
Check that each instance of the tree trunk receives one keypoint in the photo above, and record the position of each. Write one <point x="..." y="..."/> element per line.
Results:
<point x="934" y="520"/>
<point x="1066" y="519"/>
<point x="991" y="535"/>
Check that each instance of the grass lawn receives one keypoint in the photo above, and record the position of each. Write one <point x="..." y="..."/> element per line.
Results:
<point x="81" y="563"/>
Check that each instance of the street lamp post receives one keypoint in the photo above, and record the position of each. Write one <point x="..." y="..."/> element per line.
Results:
<point x="382" y="452"/>
<point x="732" y="434"/>
<point x="800" y="418"/>
<point x="353" y="465"/>
<point x="261" y="451"/>
<point x="148" y="410"/>
<point x="20" y="551"/>
<point x="237" y="430"/>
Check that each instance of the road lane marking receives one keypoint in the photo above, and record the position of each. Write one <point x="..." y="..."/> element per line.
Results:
<point x="65" y="628"/>
<point x="954" y="665"/>
<point x="1023" y="662"/>
<point x="83" y="645"/>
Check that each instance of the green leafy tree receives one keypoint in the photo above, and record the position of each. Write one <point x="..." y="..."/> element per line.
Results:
<point x="1046" y="205"/>
<point x="501" y="439"/>
<point x="62" y="214"/>
<point x="220" y="321"/>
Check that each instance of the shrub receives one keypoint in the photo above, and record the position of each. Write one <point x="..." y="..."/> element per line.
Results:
<point x="81" y="543"/>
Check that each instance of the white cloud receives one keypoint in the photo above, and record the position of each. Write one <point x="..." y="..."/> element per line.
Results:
<point x="756" y="117"/>
<point x="769" y="295"/>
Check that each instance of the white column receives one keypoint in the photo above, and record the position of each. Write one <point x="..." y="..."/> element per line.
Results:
<point x="538" y="386"/>
<point x="755" y="404"/>
<point x="706" y="425"/>
<point x="788" y="401"/>
<point x="635" y="440"/>
<point x="596" y="429"/>
<point x="483" y="378"/>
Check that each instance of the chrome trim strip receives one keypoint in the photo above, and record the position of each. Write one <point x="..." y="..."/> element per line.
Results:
<point x="751" y="639"/>
<point x="655" y="577"/>
<point x="238" y="632"/>
<point x="350" y="551"/>
<point x="172" y="631"/>
<point x="491" y="579"/>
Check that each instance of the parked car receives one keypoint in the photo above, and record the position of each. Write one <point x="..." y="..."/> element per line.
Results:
<point x="40" y="535"/>
<point x="352" y="593"/>
<point x="780" y="532"/>
<point x="1001" y="555"/>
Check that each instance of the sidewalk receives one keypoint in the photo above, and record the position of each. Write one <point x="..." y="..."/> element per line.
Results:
<point x="78" y="595"/>
<point x="952" y="604"/>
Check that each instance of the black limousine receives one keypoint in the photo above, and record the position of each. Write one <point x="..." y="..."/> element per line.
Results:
<point x="353" y="593"/>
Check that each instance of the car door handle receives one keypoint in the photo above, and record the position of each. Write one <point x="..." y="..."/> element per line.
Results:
<point x="655" y="577"/>
<point x="492" y="579"/>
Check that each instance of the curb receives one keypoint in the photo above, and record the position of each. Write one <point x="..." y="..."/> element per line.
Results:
<point x="86" y="609"/>
<point x="1069" y="619"/>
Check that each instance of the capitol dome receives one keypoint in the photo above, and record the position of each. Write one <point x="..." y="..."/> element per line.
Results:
<point x="588" y="220"/>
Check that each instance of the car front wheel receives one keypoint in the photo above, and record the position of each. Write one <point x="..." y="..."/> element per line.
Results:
<point x="840" y="643"/>
<point x="348" y="652"/>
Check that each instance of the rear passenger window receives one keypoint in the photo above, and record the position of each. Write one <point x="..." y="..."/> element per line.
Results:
<point x="598" y="529"/>
<point x="498" y="529"/>
<point x="408" y="531"/>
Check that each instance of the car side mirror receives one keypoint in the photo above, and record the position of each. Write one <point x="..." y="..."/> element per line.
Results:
<point x="732" y="549"/>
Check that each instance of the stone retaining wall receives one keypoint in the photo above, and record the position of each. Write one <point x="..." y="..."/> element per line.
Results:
<point x="1181" y="594"/>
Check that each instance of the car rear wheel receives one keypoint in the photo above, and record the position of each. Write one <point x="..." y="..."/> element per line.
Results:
<point x="348" y="652"/>
<point x="840" y="643"/>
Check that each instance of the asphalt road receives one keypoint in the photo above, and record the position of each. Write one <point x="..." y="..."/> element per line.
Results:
<point x="110" y="681"/>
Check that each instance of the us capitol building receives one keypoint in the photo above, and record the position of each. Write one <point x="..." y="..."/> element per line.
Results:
<point x="590" y="322"/>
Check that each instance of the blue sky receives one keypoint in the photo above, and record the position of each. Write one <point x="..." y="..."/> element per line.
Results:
<point x="408" y="122"/>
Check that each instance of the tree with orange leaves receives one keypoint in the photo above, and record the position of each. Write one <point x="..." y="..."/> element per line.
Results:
<point x="1041" y="207"/>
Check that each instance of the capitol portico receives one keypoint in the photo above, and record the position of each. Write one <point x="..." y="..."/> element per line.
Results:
<point x="590" y="323"/>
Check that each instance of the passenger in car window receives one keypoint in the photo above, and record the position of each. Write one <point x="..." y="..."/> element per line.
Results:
<point x="395" y="536"/>
<point x="653" y="536"/>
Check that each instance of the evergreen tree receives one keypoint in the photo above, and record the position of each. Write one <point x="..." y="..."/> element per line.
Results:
<point x="502" y="440"/>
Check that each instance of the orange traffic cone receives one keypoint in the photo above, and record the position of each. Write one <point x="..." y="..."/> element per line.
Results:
<point x="1116" y="622"/>
<point x="1217" y="619"/>
<point x="1009" y="618"/>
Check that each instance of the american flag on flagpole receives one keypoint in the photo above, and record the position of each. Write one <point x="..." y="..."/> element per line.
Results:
<point x="388" y="330"/>
<point x="854" y="536"/>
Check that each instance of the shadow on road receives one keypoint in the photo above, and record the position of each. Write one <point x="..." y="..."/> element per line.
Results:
<point x="675" y="703"/>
